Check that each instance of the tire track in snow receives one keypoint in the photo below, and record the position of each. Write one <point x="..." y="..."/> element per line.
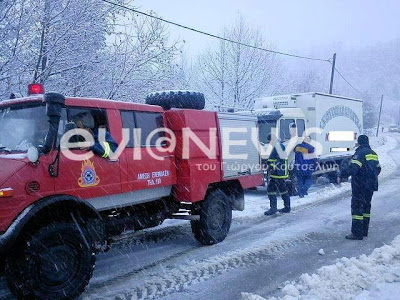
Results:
<point x="153" y="236"/>
<point x="177" y="232"/>
<point x="176" y="278"/>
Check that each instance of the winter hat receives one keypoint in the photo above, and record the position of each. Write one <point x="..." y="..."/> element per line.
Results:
<point x="363" y="140"/>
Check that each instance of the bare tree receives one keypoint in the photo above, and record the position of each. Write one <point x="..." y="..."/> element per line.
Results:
<point x="233" y="74"/>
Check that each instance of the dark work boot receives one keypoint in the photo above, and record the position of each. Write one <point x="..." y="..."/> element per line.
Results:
<point x="286" y="203"/>
<point x="285" y="210"/>
<point x="353" y="237"/>
<point x="357" y="229"/>
<point x="270" y="212"/>
<point x="273" y="206"/>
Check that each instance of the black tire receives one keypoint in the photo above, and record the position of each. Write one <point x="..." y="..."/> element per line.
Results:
<point x="334" y="177"/>
<point x="177" y="99"/>
<point x="2" y="263"/>
<point x="215" y="218"/>
<point x="56" y="262"/>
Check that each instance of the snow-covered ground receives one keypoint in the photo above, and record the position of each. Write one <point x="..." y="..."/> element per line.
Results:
<point x="381" y="291"/>
<point x="376" y="276"/>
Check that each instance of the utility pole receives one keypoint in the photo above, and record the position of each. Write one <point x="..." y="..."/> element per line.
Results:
<point x="398" y="120"/>
<point x="379" y="118"/>
<point x="333" y="73"/>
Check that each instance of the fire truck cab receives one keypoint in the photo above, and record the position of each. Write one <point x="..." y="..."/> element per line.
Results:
<point x="60" y="205"/>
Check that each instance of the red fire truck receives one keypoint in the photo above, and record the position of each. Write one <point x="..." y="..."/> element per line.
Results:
<point x="56" y="213"/>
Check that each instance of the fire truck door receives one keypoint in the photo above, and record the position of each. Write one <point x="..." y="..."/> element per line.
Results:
<point x="88" y="178"/>
<point x="149" y="170"/>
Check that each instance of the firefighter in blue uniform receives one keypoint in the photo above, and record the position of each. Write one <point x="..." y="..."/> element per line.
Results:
<point x="364" y="170"/>
<point x="278" y="173"/>
<point x="102" y="149"/>
<point x="305" y="163"/>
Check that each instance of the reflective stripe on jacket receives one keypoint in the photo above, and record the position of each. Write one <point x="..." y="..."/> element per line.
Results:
<point x="104" y="149"/>
<point x="277" y="166"/>
<point x="365" y="168"/>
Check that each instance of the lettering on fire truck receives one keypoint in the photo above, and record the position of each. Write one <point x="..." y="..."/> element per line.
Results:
<point x="153" y="178"/>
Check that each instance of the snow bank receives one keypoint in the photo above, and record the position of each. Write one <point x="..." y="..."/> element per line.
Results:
<point x="257" y="202"/>
<point x="362" y="278"/>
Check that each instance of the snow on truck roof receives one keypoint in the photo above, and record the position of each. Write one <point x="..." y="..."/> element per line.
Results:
<point x="89" y="102"/>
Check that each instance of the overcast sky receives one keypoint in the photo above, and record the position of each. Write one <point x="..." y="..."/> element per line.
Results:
<point x="294" y="25"/>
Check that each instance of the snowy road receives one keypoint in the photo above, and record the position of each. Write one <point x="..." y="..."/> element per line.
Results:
<point x="258" y="256"/>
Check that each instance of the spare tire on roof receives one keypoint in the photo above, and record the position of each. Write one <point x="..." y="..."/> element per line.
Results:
<point x="177" y="99"/>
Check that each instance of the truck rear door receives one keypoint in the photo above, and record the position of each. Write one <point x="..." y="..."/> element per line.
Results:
<point x="244" y="157"/>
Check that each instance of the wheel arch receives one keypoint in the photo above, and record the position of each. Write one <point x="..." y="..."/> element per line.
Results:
<point x="43" y="212"/>
<point x="233" y="189"/>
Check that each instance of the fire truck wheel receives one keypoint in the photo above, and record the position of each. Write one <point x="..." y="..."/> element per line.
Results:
<point x="215" y="218"/>
<point x="177" y="99"/>
<point x="56" y="262"/>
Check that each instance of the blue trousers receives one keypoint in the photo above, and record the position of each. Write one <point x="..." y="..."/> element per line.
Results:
<point x="304" y="182"/>
<point x="360" y="209"/>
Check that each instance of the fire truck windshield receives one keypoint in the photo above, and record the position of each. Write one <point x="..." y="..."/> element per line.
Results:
<point x="22" y="126"/>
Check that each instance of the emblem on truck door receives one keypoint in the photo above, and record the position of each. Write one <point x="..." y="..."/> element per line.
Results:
<point x="88" y="176"/>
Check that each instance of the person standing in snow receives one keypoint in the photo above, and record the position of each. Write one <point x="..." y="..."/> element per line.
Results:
<point x="278" y="172"/>
<point x="305" y="162"/>
<point x="364" y="170"/>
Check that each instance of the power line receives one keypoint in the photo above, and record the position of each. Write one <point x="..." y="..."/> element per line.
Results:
<point x="352" y="86"/>
<point x="212" y="35"/>
<point x="229" y="40"/>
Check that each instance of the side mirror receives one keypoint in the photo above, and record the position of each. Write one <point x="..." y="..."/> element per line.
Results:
<point x="33" y="154"/>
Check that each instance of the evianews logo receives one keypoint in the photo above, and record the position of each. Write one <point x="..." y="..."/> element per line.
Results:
<point x="166" y="144"/>
<point x="88" y="177"/>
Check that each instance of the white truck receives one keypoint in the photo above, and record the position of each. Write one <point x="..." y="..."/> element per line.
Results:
<point x="333" y="123"/>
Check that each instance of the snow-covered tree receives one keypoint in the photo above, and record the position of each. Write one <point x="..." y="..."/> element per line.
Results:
<point x="83" y="48"/>
<point x="139" y="59"/>
<point x="233" y="74"/>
